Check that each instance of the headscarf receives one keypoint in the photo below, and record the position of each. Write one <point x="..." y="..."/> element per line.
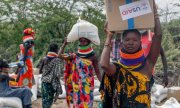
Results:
<point x="28" y="34"/>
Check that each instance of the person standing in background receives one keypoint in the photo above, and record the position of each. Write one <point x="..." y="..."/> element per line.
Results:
<point x="146" y="39"/>
<point x="26" y="77"/>
<point x="126" y="84"/>
<point x="50" y="70"/>
<point x="116" y="46"/>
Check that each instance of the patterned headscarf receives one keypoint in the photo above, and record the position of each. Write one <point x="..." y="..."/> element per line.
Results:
<point x="28" y="34"/>
<point x="28" y="31"/>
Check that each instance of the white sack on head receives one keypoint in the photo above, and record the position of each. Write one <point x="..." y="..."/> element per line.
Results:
<point x="84" y="29"/>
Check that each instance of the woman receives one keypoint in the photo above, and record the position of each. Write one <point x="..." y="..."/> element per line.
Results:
<point x="79" y="78"/>
<point x="25" y="76"/>
<point x="126" y="83"/>
<point x="50" y="70"/>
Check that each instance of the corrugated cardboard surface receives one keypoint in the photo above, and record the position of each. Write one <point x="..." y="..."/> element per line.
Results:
<point x="115" y="22"/>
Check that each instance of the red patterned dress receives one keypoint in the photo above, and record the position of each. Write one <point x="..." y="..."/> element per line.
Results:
<point x="79" y="82"/>
<point x="26" y="74"/>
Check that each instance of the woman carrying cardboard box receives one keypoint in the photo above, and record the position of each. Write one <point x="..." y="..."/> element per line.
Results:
<point x="125" y="84"/>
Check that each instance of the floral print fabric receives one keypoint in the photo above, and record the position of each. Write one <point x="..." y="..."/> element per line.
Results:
<point x="79" y="82"/>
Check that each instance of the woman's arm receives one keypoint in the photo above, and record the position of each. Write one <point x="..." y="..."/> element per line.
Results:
<point x="108" y="67"/>
<point x="164" y="62"/>
<point x="156" y="41"/>
<point x="96" y="68"/>
<point x="61" y="50"/>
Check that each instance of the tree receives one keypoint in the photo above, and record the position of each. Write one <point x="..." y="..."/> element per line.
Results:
<point x="51" y="20"/>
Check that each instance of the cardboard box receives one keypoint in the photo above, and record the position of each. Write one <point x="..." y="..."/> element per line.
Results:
<point x="129" y="14"/>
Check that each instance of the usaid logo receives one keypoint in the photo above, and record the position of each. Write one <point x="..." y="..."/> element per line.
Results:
<point x="131" y="10"/>
<point x="135" y="9"/>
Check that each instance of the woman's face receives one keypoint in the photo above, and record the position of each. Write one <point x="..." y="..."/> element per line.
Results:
<point x="84" y="41"/>
<point x="132" y="42"/>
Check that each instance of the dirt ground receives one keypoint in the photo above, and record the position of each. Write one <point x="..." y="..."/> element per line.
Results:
<point x="60" y="103"/>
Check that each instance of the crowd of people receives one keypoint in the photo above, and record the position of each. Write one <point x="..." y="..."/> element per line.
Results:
<point x="127" y="62"/>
